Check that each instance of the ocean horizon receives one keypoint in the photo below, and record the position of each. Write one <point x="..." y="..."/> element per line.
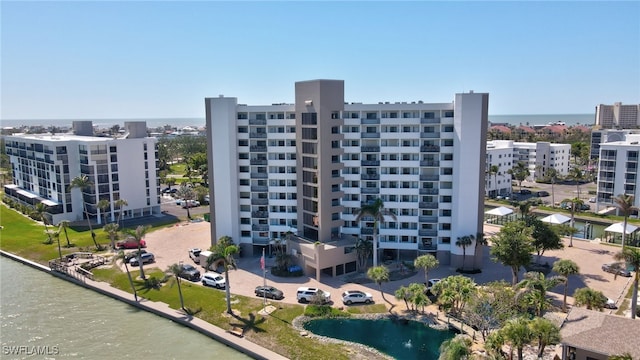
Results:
<point x="181" y="122"/>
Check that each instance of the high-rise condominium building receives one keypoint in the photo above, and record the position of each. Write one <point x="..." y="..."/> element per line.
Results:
<point x="43" y="166"/>
<point x="618" y="170"/>
<point x="618" y="116"/>
<point x="304" y="168"/>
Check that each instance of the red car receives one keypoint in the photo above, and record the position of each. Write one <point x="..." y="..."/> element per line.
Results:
<point x="130" y="243"/>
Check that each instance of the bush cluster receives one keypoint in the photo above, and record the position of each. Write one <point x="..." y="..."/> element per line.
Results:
<point x="324" y="311"/>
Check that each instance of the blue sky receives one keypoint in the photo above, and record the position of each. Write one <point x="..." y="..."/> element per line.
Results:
<point x="76" y="60"/>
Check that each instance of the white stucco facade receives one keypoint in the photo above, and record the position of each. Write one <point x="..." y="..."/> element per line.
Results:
<point x="44" y="165"/>
<point x="426" y="161"/>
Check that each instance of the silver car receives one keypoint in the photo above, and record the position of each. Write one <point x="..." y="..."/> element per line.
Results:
<point x="356" y="296"/>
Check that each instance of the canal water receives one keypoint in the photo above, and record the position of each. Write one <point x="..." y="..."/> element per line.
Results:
<point x="43" y="317"/>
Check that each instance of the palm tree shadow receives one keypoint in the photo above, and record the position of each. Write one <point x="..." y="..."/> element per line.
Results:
<point x="144" y="286"/>
<point x="283" y="320"/>
<point x="249" y="324"/>
<point x="188" y="313"/>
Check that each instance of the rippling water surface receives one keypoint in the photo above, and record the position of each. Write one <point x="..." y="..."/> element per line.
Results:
<point x="44" y="317"/>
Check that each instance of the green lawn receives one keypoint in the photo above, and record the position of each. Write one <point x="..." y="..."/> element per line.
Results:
<point x="22" y="236"/>
<point x="273" y="332"/>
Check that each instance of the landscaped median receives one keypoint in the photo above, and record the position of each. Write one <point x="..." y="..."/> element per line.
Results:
<point x="25" y="237"/>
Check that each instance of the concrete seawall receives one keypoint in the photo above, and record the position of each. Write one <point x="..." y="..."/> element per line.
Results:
<point x="241" y="344"/>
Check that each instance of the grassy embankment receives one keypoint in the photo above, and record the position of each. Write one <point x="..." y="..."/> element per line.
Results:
<point x="25" y="237"/>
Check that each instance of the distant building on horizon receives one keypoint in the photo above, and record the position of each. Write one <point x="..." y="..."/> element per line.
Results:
<point x="43" y="166"/>
<point x="618" y="116"/>
<point x="304" y="168"/>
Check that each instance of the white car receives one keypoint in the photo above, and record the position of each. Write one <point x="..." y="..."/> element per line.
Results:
<point x="355" y="296"/>
<point x="592" y="200"/>
<point x="306" y="294"/>
<point x="214" y="279"/>
<point x="194" y="254"/>
<point x="429" y="284"/>
<point x="610" y="304"/>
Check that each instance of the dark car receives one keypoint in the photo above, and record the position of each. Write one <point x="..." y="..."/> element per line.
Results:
<point x="131" y="255"/>
<point x="525" y="191"/>
<point x="270" y="292"/>
<point x="189" y="272"/>
<point x="617" y="269"/>
<point x="542" y="193"/>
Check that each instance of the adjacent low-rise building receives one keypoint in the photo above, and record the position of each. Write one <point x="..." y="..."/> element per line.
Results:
<point x="304" y="168"/>
<point x="43" y="166"/>
<point x="593" y="335"/>
<point x="538" y="157"/>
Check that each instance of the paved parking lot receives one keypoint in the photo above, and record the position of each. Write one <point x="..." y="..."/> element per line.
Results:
<point x="171" y="245"/>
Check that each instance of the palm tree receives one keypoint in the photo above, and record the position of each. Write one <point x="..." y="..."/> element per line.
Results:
<point x="552" y="174"/>
<point x="566" y="267"/>
<point x="120" y="256"/>
<point x="631" y="256"/>
<point x="403" y="293"/>
<point x="377" y="211"/>
<point x="379" y="274"/>
<point x="464" y="242"/>
<point x="64" y="224"/>
<point x="103" y="205"/>
<point x="426" y="262"/>
<point x="222" y="253"/>
<point x="175" y="270"/>
<point x="82" y="182"/>
<point x="524" y="207"/>
<point x="120" y="203"/>
<point x="517" y="334"/>
<point x="589" y="298"/>
<point x="493" y="170"/>
<point x="625" y="356"/>
<point x="56" y="235"/>
<point x="112" y="230"/>
<point x="187" y="194"/>
<point x="364" y="248"/>
<point x="457" y="348"/>
<point x="519" y="172"/>
<point x="576" y="204"/>
<point x="545" y="332"/>
<point x="138" y="234"/>
<point x="480" y="241"/>
<point x="40" y="211"/>
<point x="576" y="175"/>
<point x="536" y="285"/>
<point x="625" y="205"/>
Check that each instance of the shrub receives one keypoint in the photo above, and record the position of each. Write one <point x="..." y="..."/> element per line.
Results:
<point x="409" y="265"/>
<point x="324" y="311"/>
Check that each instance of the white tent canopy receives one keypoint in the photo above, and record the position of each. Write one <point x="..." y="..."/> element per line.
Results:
<point x="499" y="211"/>
<point x="556" y="219"/>
<point x="617" y="228"/>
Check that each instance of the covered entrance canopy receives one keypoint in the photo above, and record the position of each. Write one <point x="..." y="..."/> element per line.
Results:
<point x="556" y="219"/>
<point x="497" y="215"/>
